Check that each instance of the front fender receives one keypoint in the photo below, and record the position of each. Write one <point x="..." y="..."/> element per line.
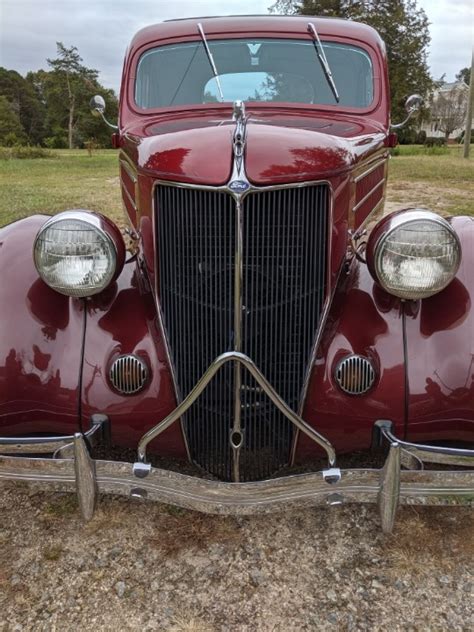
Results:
<point x="124" y="320"/>
<point x="440" y="358"/>
<point x="41" y="335"/>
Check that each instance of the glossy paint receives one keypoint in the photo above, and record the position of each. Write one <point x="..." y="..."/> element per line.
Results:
<point x="440" y="359"/>
<point x="52" y="378"/>
<point x="363" y="320"/>
<point x="123" y="320"/>
<point x="41" y="335"/>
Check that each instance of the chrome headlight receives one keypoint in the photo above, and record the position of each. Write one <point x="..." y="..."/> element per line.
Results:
<point x="413" y="254"/>
<point x="78" y="253"/>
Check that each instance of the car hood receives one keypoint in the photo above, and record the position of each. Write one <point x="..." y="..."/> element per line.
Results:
<point x="278" y="148"/>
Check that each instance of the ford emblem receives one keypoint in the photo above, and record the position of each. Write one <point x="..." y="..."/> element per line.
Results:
<point x="239" y="186"/>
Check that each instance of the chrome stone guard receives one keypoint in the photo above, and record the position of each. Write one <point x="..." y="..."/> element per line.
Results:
<point x="72" y="469"/>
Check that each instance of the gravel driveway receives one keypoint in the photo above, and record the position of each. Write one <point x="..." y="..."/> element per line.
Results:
<point x="151" y="567"/>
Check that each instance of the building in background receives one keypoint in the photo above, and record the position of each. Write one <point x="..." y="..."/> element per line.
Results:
<point x="448" y="107"/>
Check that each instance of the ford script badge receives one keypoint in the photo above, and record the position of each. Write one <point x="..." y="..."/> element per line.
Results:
<point x="239" y="186"/>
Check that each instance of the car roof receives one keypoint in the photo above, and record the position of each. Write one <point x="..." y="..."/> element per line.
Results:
<point x="255" y="25"/>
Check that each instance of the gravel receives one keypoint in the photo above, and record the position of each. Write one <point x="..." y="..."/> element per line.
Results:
<point x="139" y="566"/>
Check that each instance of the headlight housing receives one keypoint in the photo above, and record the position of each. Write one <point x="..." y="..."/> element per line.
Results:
<point x="78" y="253"/>
<point x="413" y="254"/>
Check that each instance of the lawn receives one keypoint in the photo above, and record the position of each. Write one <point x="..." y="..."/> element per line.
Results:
<point x="72" y="179"/>
<point x="441" y="181"/>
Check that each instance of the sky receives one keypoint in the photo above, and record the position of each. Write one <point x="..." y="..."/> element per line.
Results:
<point x="102" y="29"/>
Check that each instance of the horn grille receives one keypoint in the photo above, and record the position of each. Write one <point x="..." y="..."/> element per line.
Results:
<point x="128" y="374"/>
<point x="355" y="375"/>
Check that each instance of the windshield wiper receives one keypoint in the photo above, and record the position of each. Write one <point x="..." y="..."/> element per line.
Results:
<point x="211" y="59"/>
<point x="322" y="59"/>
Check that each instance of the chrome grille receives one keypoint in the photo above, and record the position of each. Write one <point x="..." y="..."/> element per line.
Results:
<point x="284" y="270"/>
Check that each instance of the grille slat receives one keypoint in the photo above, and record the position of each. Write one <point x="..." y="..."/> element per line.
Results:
<point x="284" y="271"/>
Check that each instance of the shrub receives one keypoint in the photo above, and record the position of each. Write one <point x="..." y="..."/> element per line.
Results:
<point x="434" y="141"/>
<point x="421" y="137"/>
<point x="7" y="153"/>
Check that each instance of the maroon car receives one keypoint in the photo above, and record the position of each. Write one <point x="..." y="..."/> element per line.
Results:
<point x="264" y="315"/>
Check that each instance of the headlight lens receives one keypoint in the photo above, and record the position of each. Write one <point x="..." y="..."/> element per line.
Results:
<point x="416" y="255"/>
<point x="74" y="255"/>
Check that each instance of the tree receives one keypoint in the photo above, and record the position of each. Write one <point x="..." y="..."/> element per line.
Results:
<point x="25" y="103"/>
<point x="71" y="81"/>
<point x="11" y="129"/>
<point x="449" y="109"/>
<point x="402" y="25"/>
<point x="464" y="75"/>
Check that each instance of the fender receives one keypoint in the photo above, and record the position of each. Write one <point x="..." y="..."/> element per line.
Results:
<point x="440" y="357"/>
<point x="364" y="320"/>
<point x="41" y="335"/>
<point x="423" y="352"/>
<point x="124" y="320"/>
<point x="55" y="351"/>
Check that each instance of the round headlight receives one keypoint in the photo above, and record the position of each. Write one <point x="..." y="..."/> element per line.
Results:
<point x="78" y="253"/>
<point x="413" y="254"/>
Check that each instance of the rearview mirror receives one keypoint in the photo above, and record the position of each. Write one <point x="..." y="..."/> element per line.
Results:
<point x="412" y="105"/>
<point x="97" y="105"/>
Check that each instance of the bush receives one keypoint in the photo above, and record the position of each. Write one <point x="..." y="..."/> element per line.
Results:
<point x="406" y="136"/>
<point x="434" y="141"/>
<point x="7" y="153"/>
<point x="421" y="137"/>
<point x="460" y="138"/>
<point x="58" y="141"/>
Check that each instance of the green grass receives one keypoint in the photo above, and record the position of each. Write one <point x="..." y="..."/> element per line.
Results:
<point x="442" y="179"/>
<point x="418" y="176"/>
<point x="71" y="179"/>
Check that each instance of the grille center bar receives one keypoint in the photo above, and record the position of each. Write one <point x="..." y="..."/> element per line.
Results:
<point x="238" y="175"/>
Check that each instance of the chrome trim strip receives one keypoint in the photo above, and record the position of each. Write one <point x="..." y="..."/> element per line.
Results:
<point x="367" y="195"/>
<point x="47" y="445"/>
<point x="132" y="174"/>
<point x="378" y="164"/>
<point x="263" y="383"/>
<point x="430" y="453"/>
<point x="252" y="188"/>
<point x="368" y="218"/>
<point x="129" y="197"/>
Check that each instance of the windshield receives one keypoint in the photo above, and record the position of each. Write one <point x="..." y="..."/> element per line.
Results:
<point x="276" y="70"/>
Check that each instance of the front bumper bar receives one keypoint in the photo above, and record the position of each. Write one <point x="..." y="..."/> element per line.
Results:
<point x="388" y="487"/>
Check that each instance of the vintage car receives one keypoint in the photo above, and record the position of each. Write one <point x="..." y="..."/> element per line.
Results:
<point x="265" y="314"/>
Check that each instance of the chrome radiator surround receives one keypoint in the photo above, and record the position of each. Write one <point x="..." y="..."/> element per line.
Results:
<point x="388" y="487"/>
<point x="243" y="392"/>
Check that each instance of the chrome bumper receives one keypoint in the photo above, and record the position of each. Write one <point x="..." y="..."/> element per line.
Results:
<point x="74" y="470"/>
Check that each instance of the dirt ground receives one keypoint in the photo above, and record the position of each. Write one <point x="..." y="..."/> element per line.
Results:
<point x="152" y="567"/>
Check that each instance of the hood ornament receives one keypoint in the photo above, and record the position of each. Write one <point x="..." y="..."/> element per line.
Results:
<point x="238" y="182"/>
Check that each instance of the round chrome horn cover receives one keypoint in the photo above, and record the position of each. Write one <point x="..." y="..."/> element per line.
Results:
<point x="128" y="374"/>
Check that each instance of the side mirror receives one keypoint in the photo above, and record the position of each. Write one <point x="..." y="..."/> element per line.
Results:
<point x="412" y="105"/>
<point x="97" y="106"/>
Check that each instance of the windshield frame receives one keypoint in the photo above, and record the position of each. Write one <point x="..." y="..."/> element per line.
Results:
<point x="377" y="67"/>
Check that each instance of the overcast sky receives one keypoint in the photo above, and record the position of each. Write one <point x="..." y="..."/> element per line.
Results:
<point x="102" y="29"/>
